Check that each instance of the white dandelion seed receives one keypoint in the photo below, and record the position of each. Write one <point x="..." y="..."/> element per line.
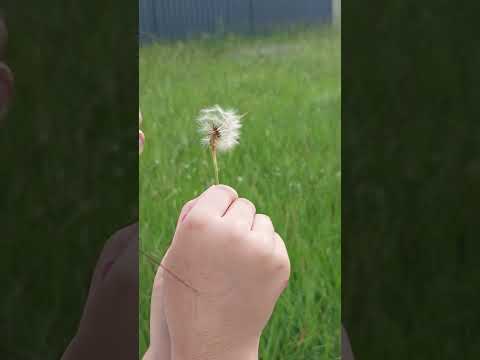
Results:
<point x="219" y="127"/>
<point x="220" y="130"/>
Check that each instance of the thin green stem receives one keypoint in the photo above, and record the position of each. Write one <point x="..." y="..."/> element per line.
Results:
<point x="215" y="163"/>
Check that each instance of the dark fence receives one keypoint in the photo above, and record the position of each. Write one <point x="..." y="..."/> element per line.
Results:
<point x="179" y="19"/>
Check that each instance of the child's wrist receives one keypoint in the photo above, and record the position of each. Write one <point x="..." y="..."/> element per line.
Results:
<point x="220" y="357"/>
<point x="241" y="353"/>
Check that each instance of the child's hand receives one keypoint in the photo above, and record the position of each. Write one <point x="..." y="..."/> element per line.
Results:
<point x="220" y="279"/>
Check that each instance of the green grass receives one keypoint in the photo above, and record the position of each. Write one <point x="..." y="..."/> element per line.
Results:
<point x="288" y="164"/>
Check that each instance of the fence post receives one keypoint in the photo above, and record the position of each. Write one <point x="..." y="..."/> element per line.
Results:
<point x="154" y="15"/>
<point x="251" y="17"/>
<point x="337" y="11"/>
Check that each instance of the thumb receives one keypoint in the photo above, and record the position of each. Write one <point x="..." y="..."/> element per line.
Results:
<point x="159" y="334"/>
<point x="185" y="210"/>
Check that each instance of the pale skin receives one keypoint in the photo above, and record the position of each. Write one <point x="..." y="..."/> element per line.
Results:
<point x="212" y="295"/>
<point x="219" y="281"/>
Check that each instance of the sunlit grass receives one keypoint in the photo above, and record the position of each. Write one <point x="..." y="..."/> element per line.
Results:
<point x="288" y="164"/>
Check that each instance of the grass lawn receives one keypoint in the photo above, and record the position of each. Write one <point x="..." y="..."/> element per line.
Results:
<point x="288" y="164"/>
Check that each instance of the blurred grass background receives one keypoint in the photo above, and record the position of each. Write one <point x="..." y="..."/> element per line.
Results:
<point x="69" y="162"/>
<point x="411" y="159"/>
<point x="288" y="164"/>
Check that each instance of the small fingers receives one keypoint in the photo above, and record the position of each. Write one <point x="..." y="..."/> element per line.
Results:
<point x="215" y="201"/>
<point x="185" y="210"/>
<point x="262" y="223"/>
<point x="282" y="260"/>
<point x="242" y="211"/>
<point x="159" y="335"/>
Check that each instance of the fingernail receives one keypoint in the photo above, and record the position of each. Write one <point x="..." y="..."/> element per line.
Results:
<point x="228" y="188"/>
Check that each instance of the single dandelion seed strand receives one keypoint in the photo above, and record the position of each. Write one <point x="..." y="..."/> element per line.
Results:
<point x="151" y="258"/>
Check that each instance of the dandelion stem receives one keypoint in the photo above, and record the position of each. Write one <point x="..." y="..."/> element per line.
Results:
<point x="215" y="163"/>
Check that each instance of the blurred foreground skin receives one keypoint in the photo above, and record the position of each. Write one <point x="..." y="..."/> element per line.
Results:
<point x="346" y="348"/>
<point x="6" y="77"/>
<point x="219" y="281"/>
<point x="109" y="325"/>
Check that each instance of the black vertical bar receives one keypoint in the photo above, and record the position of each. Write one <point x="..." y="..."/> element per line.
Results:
<point x="69" y="180"/>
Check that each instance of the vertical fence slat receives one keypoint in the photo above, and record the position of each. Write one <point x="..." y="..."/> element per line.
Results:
<point x="190" y="14"/>
<point x="211" y="26"/>
<point x="163" y="31"/>
<point x="177" y="19"/>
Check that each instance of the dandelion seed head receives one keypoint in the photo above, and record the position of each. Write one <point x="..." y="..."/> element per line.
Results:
<point x="219" y="127"/>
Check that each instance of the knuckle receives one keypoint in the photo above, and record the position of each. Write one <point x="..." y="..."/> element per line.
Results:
<point x="282" y="266"/>
<point x="159" y="278"/>
<point x="242" y="225"/>
<point x="197" y="221"/>
<point x="248" y="203"/>
<point x="264" y="217"/>
<point x="285" y="268"/>
<point x="231" y="191"/>
<point x="237" y="230"/>
<point x="281" y="259"/>
<point x="186" y="205"/>
<point x="255" y="238"/>
<point x="264" y="246"/>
